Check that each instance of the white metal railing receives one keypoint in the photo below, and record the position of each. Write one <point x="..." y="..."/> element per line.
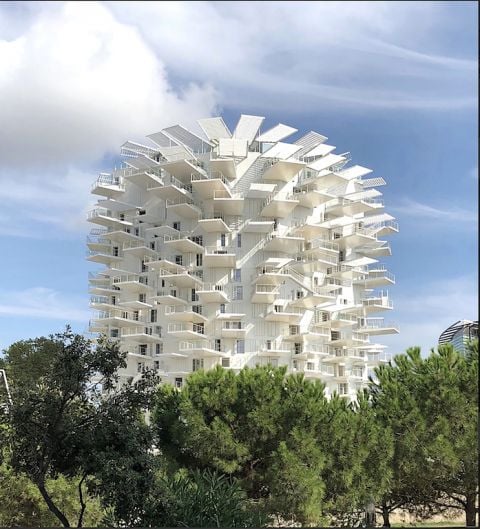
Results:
<point x="99" y="299"/>
<point x="180" y="309"/>
<point x="377" y="323"/>
<point x="131" y="331"/>
<point x="179" y="201"/>
<point x="280" y="309"/>
<point x="212" y="175"/>
<point x="130" y="278"/>
<point x="378" y="273"/>
<point x="166" y="292"/>
<point x="321" y="243"/>
<point x="320" y="257"/>
<point x="233" y="326"/>
<point x="192" y="327"/>
<point x="180" y="237"/>
<point x="266" y="289"/>
<point x="196" y="344"/>
<point x="107" y="179"/>
<point x="225" y="193"/>
<point x="377" y="226"/>
<point x="219" y="250"/>
<point x="212" y="287"/>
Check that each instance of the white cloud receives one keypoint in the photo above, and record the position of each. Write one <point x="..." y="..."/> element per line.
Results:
<point x="425" y="313"/>
<point x="413" y="210"/>
<point x="41" y="302"/>
<point x="301" y="54"/>
<point x="78" y="82"/>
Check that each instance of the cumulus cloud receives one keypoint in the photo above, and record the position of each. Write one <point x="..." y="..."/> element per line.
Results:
<point x="78" y="82"/>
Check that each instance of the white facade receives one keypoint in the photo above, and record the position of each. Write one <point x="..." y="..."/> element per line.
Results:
<point x="240" y="249"/>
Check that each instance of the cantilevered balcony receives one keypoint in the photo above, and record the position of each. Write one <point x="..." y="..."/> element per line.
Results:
<point x="199" y="348"/>
<point x="282" y="170"/>
<point x="386" y="227"/>
<point x="214" y="224"/>
<point x="310" y="197"/>
<point x="309" y="229"/>
<point x="186" y="313"/>
<point x="186" y="330"/>
<point x="345" y="206"/>
<point x="278" y="206"/>
<point x="309" y="350"/>
<point x="316" y="296"/>
<point x="184" y="243"/>
<point x="139" y="249"/>
<point x="318" y="247"/>
<point x="264" y="293"/>
<point x="274" y="348"/>
<point x="181" y="278"/>
<point x="339" y="320"/>
<point x="108" y="218"/>
<point x="101" y="303"/>
<point x="377" y="327"/>
<point x="108" y="185"/>
<point x="172" y="189"/>
<point x="347" y="339"/>
<point x="282" y="314"/>
<point x="377" y="302"/>
<point x="226" y="203"/>
<point x="282" y="243"/>
<point x="235" y="329"/>
<point x="212" y="293"/>
<point x="107" y="256"/>
<point x="168" y="296"/>
<point x="382" y="249"/>
<point x="140" y="334"/>
<point x="306" y="264"/>
<point x="132" y="283"/>
<point x="184" y="207"/>
<point x="354" y="238"/>
<point x="346" y="272"/>
<point x="220" y="257"/>
<point x="377" y="276"/>
<point x="207" y="185"/>
<point x="118" y="318"/>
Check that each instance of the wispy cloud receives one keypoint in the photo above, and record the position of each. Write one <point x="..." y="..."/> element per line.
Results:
<point x="41" y="302"/>
<point x="413" y="209"/>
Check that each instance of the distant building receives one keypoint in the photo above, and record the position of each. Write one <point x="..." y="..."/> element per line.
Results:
<point x="459" y="334"/>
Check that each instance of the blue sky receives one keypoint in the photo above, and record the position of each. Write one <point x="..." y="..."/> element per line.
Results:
<point x="393" y="83"/>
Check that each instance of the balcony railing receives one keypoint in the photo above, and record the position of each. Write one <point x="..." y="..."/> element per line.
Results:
<point x="192" y="327"/>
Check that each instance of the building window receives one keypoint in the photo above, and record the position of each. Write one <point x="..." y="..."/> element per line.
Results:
<point x="176" y="225"/>
<point x="310" y="366"/>
<point x="223" y="240"/>
<point x="225" y="362"/>
<point x="153" y="316"/>
<point x="179" y="260"/>
<point x="136" y="315"/>
<point x="140" y="367"/>
<point x="218" y="344"/>
<point x="114" y="333"/>
<point x="239" y="347"/>
<point x="222" y="308"/>
<point x="239" y="240"/>
<point x="144" y="267"/>
<point x="143" y="348"/>
<point x="237" y="293"/>
<point x="199" y="259"/>
<point x="194" y="295"/>
<point x="158" y="348"/>
<point x="298" y="348"/>
<point x="197" y="363"/>
<point x="156" y="365"/>
<point x="237" y="275"/>
<point x="178" y="382"/>
<point x="142" y="298"/>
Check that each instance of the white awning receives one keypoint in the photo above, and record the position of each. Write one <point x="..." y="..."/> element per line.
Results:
<point x="161" y="139"/>
<point x="281" y="151"/>
<point x="326" y="161"/>
<point x="277" y="133"/>
<point x="187" y="138"/>
<point x="235" y="147"/>
<point x="356" y="171"/>
<point x="141" y="162"/>
<point x="214" y="128"/>
<point x="309" y="141"/>
<point x="320" y="150"/>
<point x="247" y="127"/>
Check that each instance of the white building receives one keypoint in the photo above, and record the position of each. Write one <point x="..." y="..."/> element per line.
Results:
<point x="240" y="249"/>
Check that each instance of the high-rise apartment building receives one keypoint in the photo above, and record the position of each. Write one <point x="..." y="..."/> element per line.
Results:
<point x="239" y="249"/>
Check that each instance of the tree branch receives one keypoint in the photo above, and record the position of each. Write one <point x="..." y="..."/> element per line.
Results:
<point x="83" y="505"/>
<point x="52" y="507"/>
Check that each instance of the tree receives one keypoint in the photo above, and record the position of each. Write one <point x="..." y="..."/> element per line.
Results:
<point x="431" y="407"/>
<point x="260" y="426"/>
<point x="60" y="422"/>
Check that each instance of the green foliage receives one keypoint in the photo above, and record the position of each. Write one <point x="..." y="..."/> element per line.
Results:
<point x="21" y="503"/>
<point x="200" y="499"/>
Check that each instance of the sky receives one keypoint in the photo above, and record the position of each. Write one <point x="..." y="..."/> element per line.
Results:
<point x="393" y="83"/>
